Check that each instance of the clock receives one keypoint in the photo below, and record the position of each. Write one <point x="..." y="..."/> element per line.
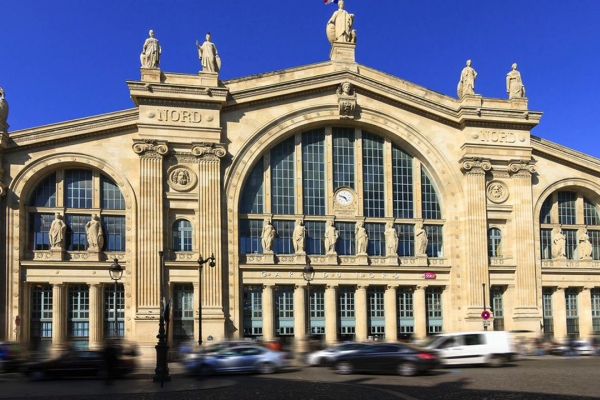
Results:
<point x="344" y="197"/>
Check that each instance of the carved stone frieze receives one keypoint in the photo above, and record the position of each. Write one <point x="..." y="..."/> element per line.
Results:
<point x="209" y="150"/>
<point x="150" y="148"/>
<point x="181" y="178"/>
<point x="475" y="164"/>
<point x="497" y="192"/>
<point x="346" y="100"/>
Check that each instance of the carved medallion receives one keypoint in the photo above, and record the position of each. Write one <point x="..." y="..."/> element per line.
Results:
<point x="181" y="178"/>
<point x="346" y="100"/>
<point x="497" y="192"/>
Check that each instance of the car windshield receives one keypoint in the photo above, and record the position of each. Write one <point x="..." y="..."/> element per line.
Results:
<point x="429" y="341"/>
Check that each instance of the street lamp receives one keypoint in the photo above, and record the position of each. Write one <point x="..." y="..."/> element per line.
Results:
<point x="201" y="261"/>
<point x="161" y="372"/>
<point x="308" y="273"/>
<point x="116" y="273"/>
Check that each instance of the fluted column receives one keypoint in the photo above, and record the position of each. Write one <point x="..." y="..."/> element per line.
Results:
<point x="59" y="317"/>
<point x="330" y="314"/>
<point x="526" y="284"/>
<point x="476" y="268"/>
<point x="300" y="312"/>
<point x="420" y="312"/>
<point x="268" y="313"/>
<point x="391" y="314"/>
<point x="209" y="223"/>
<point x="361" y="305"/>
<point x="559" y="313"/>
<point x="96" y="316"/>
<point x="584" y="302"/>
<point x="151" y="225"/>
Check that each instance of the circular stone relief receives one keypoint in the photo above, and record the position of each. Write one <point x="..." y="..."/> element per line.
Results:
<point x="181" y="178"/>
<point x="497" y="192"/>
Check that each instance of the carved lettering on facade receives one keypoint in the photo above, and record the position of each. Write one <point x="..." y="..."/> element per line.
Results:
<point x="340" y="275"/>
<point x="497" y="136"/>
<point x="183" y="116"/>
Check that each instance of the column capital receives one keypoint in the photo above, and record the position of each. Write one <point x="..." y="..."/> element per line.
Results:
<point x="150" y="148"/>
<point x="209" y="151"/>
<point x="521" y="167"/>
<point x="475" y="165"/>
<point x="421" y="287"/>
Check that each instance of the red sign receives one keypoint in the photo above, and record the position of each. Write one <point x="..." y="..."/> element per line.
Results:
<point x="485" y="315"/>
<point x="18" y="321"/>
<point x="429" y="275"/>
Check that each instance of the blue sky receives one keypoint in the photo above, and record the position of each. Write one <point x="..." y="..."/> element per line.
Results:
<point x="68" y="59"/>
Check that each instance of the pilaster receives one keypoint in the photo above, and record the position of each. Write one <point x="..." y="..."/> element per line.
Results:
<point x="268" y="313"/>
<point x="584" y="301"/>
<point x="476" y="270"/>
<point x="300" y="314"/>
<point x="59" y="310"/>
<point x="361" y="313"/>
<point x="420" y="312"/>
<point x="330" y="314"/>
<point x="95" y="318"/>
<point x="559" y="313"/>
<point x="391" y="314"/>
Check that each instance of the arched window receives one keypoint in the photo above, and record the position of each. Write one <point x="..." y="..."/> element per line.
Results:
<point x="85" y="193"/>
<point x="301" y="172"/>
<point x="569" y="227"/>
<point x="494" y="242"/>
<point x="182" y="235"/>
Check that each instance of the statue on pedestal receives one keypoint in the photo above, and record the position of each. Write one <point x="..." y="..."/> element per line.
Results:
<point x="3" y="109"/>
<point x="362" y="239"/>
<point x="150" y="57"/>
<point x="391" y="240"/>
<point x="466" y="85"/>
<point x="514" y="84"/>
<point x="331" y="237"/>
<point x="558" y="243"/>
<point x="94" y="234"/>
<point x="56" y="235"/>
<point x="268" y="236"/>
<point x="299" y="237"/>
<point x="585" y="247"/>
<point x="208" y="55"/>
<point x="339" y="26"/>
<point x="421" y="240"/>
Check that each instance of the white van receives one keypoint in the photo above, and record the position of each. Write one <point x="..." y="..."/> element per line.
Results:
<point x="492" y="348"/>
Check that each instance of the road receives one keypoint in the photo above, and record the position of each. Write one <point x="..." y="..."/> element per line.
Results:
<point x="531" y="379"/>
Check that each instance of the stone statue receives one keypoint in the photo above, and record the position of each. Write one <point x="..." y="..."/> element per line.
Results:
<point x="58" y="228"/>
<point x="268" y="236"/>
<point x="207" y="53"/>
<point x="421" y="240"/>
<point x="362" y="239"/>
<point x="391" y="240"/>
<point x="331" y="237"/>
<point x="466" y="85"/>
<point x="558" y="243"/>
<point x="3" y="109"/>
<point x="346" y="100"/>
<point x="339" y="26"/>
<point x="94" y="234"/>
<point x="150" y="57"/>
<point x="514" y="84"/>
<point x="584" y="247"/>
<point x="299" y="237"/>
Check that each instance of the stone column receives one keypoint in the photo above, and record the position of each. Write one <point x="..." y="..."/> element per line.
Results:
<point x="360" y="304"/>
<point x="268" y="313"/>
<point x="585" y="313"/>
<point x="526" y="312"/>
<point x="23" y="333"/>
<point x="559" y="313"/>
<point x="330" y="314"/>
<point x="209" y="229"/>
<point x="300" y="312"/>
<point x="59" y="314"/>
<point x="476" y="269"/>
<point x="96" y="316"/>
<point x="510" y="300"/>
<point x="196" y="313"/>
<point x="151" y="225"/>
<point x="420" y="312"/>
<point x="391" y="314"/>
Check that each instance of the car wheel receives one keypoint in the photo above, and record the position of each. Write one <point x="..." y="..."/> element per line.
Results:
<point x="266" y="368"/>
<point x="344" y="368"/>
<point x="323" y="362"/>
<point x="496" y="361"/>
<point x="204" y="371"/>
<point x="406" y="369"/>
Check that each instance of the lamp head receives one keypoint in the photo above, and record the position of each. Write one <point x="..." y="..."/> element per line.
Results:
<point x="308" y="273"/>
<point x="115" y="270"/>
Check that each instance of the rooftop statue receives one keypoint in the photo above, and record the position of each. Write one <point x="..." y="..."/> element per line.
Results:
<point x="339" y="26"/>
<point x="3" y="108"/>
<point x="150" y="57"/>
<point x="466" y="85"/>
<point x="211" y="62"/>
<point x="514" y="84"/>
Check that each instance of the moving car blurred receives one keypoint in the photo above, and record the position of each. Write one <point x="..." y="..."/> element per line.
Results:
<point x="582" y="347"/>
<point x="327" y="356"/>
<point x="401" y="359"/>
<point x="247" y="358"/>
<point x="211" y="349"/>
<point x="78" y="363"/>
<point x="12" y="356"/>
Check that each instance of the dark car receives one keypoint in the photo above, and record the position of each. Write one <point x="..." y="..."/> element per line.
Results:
<point x="12" y="356"/>
<point x="78" y="363"/>
<point x="390" y="358"/>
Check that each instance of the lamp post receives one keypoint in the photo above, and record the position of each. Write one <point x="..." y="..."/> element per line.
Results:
<point x="485" y="328"/>
<point x="201" y="261"/>
<point x="308" y="273"/>
<point x="161" y="372"/>
<point x="116" y="272"/>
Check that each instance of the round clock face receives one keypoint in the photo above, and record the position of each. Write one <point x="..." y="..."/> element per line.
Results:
<point x="344" y="197"/>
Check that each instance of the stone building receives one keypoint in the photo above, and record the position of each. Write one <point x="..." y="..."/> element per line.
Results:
<point x="415" y="209"/>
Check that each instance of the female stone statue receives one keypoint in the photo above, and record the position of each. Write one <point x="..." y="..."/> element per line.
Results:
<point x="584" y="247"/>
<point x="558" y="244"/>
<point x="362" y="239"/>
<point x="331" y="237"/>
<point x="150" y="57"/>
<point x="58" y="228"/>
<point x="94" y="233"/>
<point x="339" y="26"/>
<point x="514" y="84"/>
<point x="268" y="235"/>
<point x="299" y="237"/>
<point x="208" y="55"/>
<point x="466" y="85"/>
<point x="391" y="240"/>
<point x="421" y="240"/>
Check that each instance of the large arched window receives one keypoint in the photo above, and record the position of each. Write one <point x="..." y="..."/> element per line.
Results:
<point x="569" y="227"/>
<point x="182" y="235"/>
<point x="301" y="175"/>
<point x="84" y="193"/>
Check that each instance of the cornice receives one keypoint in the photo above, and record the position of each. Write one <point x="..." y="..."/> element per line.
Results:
<point x="565" y="156"/>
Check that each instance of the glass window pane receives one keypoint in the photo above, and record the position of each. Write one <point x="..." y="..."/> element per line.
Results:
<point x="343" y="158"/>
<point x="346" y="241"/>
<point x="252" y="199"/>
<point x="373" y="176"/>
<point x="283" y="178"/>
<point x="39" y="226"/>
<point x="315" y="234"/>
<point x="76" y="235"/>
<point x="313" y="172"/>
<point x="402" y="172"/>
<point x="283" y="238"/>
<point x="566" y="207"/>
<point x="250" y="233"/>
<point x="44" y="194"/>
<point x="429" y="198"/>
<point x="114" y="232"/>
<point x="376" y="234"/>
<point x="78" y="188"/>
<point x="112" y="198"/>
<point x="182" y="235"/>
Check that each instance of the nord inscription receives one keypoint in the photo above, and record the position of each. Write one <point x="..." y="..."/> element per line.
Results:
<point x="497" y="136"/>
<point x="184" y="116"/>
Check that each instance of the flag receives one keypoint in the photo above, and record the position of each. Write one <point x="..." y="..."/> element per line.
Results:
<point x="330" y="1"/>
